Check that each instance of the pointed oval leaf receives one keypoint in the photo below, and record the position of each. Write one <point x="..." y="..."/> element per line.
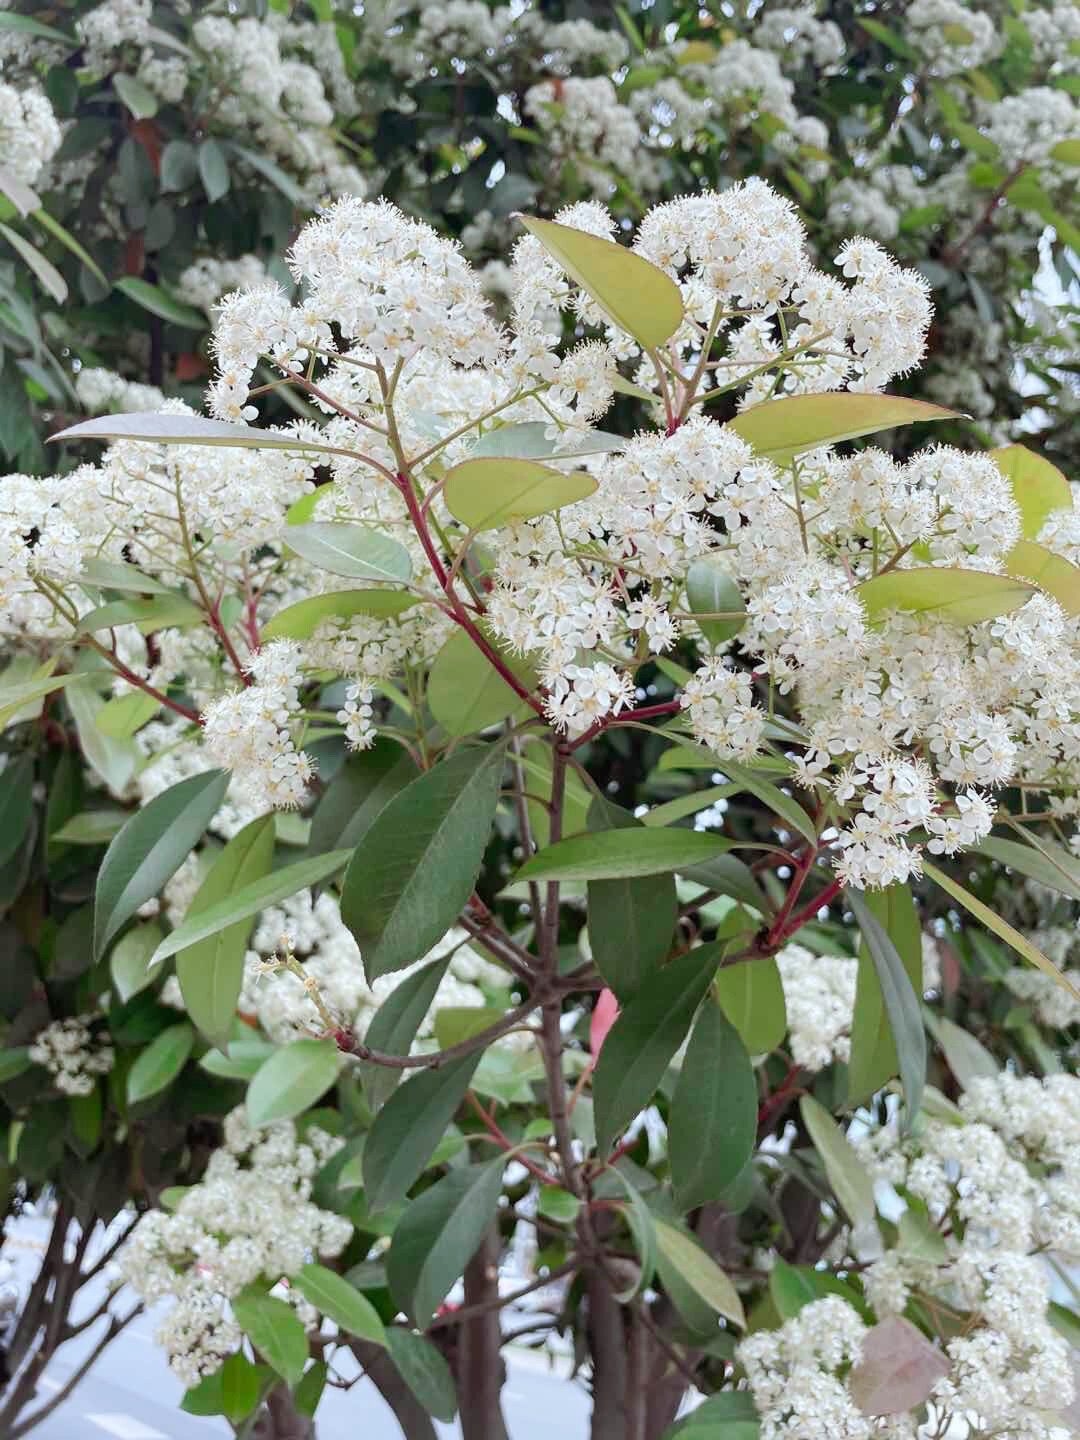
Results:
<point x="424" y="1370"/>
<point x="1051" y="865"/>
<point x="123" y="715"/>
<point x="129" y="963"/>
<point x="778" y="430"/>
<point x="293" y="1078"/>
<point x="416" y="866"/>
<point x="159" y="302"/>
<point x="299" y="621"/>
<point x="341" y="1302"/>
<point x="713" y="1122"/>
<point x="239" y="1387"/>
<point x="16" y="804"/>
<point x="211" y="972"/>
<point x="711" y="589"/>
<point x="700" y="1271"/>
<point x="1050" y="572"/>
<point x="641" y="1043"/>
<point x="114" y="760"/>
<point x="902" y="1004"/>
<point x="622" y="854"/>
<point x="897" y="1368"/>
<point x="113" y="576"/>
<point x="751" y="995"/>
<point x="1038" y="487"/>
<point x="967" y="1058"/>
<point x="438" y="1235"/>
<point x="636" y="295"/>
<point x="497" y="490"/>
<point x="631" y="921"/>
<point x="466" y="693"/>
<point x="150" y="849"/>
<point x="958" y="597"/>
<point x="250" y="899"/>
<point x="159" y="1064"/>
<point x="793" y="1286"/>
<point x="874" y="1059"/>
<point x="409" y="1127"/>
<point x="46" y="272"/>
<point x="357" y="794"/>
<point x="847" y="1174"/>
<point x="213" y="170"/>
<point x="350" y="550"/>
<point x="275" y="1330"/>
<point x="394" y="1025"/>
<point x="148" y="425"/>
<point x="139" y="99"/>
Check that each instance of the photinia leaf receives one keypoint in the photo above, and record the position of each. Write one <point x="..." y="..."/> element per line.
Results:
<point x="492" y="491"/>
<point x="751" y="995"/>
<point x="350" y="550"/>
<point x="778" y="430"/>
<point x="123" y="715"/>
<point x="16" y="804"/>
<point x="159" y="302"/>
<point x="466" y="693"/>
<point x="299" y="621"/>
<point x="631" y="921"/>
<point x="424" y="1370"/>
<point x="46" y="272"/>
<point x="341" y="1302"/>
<point x="622" y="854"/>
<point x="159" y="1064"/>
<point x="793" y="1286"/>
<point x="528" y="440"/>
<point x="275" y="1330"/>
<point x="357" y="794"/>
<point x="291" y="1080"/>
<point x="699" y="1271"/>
<point x="1038" y="487"/>
<point x="1051" y="865"/>
<point x="712" y="589"/>
<point x="1050" y="572"/>
<point x="958" y="597"/>
<point x="394" y="1025"/>
<point x="967" y="1058"/>
<point x="129" y="963"/>
<point x="409" y="1127"/>
<point x="784" y="807"/>
<point x="897" y="1368"/>
<point x="713" y="1121"/>
<point x="139" y="99"/>
<point x="147" y="425"/>
<point x="847" y="1174"/>
<point x="874" y="1059"/>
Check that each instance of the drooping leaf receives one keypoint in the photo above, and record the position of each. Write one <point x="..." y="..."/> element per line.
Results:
<point x="622" y="854"/>
<point x="1042" y="860"/>
<point x="968" y="1059"/>
<point x="341" y="1302"/>
<point x="299" y="621"/>
<point x="492" y="491"/>
<point x="357" y="794"/>
<point x="874" y="1057"/>
<point x="1052" y="573"/>
<point x="713" y="1121"/>
<point x="699" y="1271"/>
<point x="416" y="866"/>
<point x="158" y="1065"/>
<point x="239" y="1387"/>
<point x="350" y="550"/>
<point x="211" y="972"/>
<point x="641" y="1043"/>
<point x="158" y="302"/>
<point x="1038" y="487"/>
<point x="424" y="1370"/>
<point x="129" y="963"/>
<point x="114" y="760"/>
<point x="638" y="297"/>
<point x="793" y="1286"/>
<point x="847" y="1174"/>
<point x="291" y="1080"/>
<point x="139" y="99"/>
<point x="11" y="20"/>
<point x="466" y="693"/>
<point x="44" y="270"/>
<point x="438" y="1235"/>
<point x="309" y="1391"/>
<point x="778" y="430"/>
<point x="150" y="849"/>
<point x="165" y="429"/>
<point x="958" y="597"/>
<point x="408" y="1128"/>
<point x="394" y="1025"/>
<point x="631" y="921"/>
<point x="274" y="1328"/>
<point x="250" y="899"/>
<point x="897" y="1368"/>
<point x="123" y="715"/>
<point x="784" y="807"/>
<point x="712" y="589"/>
<point x="751" y="995"/>
<point x="16" y="804"/>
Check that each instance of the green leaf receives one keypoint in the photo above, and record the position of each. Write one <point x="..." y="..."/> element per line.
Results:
<point x="243" y="1061"/>
<point x="208" y="1397"/>
<point x="24" y="199"/>
<point x="635" y="294"/>
<point x="891" y="39"/>
<point x="115" y="576"/>
<point x="631" y="921"/>
<point x="161" y="613"/>
<point x="793" y="1286"/>
<point x="751" y="995"/>
<point x="358" y="793"/>
<point x="466" y="693"/>
<point x="114" y="760"/>
<point x="309" y="1391"/>
<point x="1038" y="487"/>
<point x="778" y="430"/>
<point x="293" y="1078"/>
<point x="713" y="1122"/>
<point x="727" y="1416"/>
<point x="489" y="492"/>
<point x="46" y="221"/>
<point x="712" y="589"/>
<point x="19" y="698"/>
<point x="141" y="101"/>
<point x="129" y="963"/>
<point x="784" y="807"/>
<point x="1051" y="865"/>
<point x="45" y="271"/>
<point x="350" y="550"/>
<point x="1066" y="152"/>
<point x="213" y="170"/>
<point x="299" y="621"/>
<point x="847" y="1175"/>
<point x="967" y="1058"/>
<point x="239" y="1387"/>
<point x="274" y="1329"/>
<point x="528" y="440"/>
<point x="958" y="597"/>
<point x="1052" y="573"/>
<point x="622" y="854"/>
<point x="250" y="899"/>
<point x="9" y="20"/>
<point x="179" y="166"/>
<point x="150" y="849"/>
<point x="874" y="1060"/>
<point x="274" y="173"/>
<point x="92" y="827"/>
<point x="14" y="1062"/>
<point x="902" y="1006"/>
<point x="211" y="972"/>
<point x="729" y="876"/>
<point x="424" y="1370"/>
<point x="394" y="1025"/>
<point x="699" y="1271"/>
<point x="918" y="1239"/>
<point x="159" y="1064"/>
<point x="641" y="1043"/>
<point x="163" y="429"/>
<point x="557" y="1204"/>
<point x="416" y="866"/>
<point x="159" y="302"/>
<point x="122" y="716"/>
<point x="16" y="804"/>
<point x="408" y="1128"/>
<point x="340" y="1301"/>
<point x="457" y="1023"/>
<point x="438" y="1235"/>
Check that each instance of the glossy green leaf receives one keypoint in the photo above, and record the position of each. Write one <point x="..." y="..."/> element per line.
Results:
<point x="139" y="99"/>
<point x="123" y="715"/>
<point x="251" y="898"/>
<point x="211" y="972"/>
<point x="1052" y="573"/>
<point x="784" y="807"/>
<point x="309" y="1391"/>
<point x="293" y="1078"/>
<point x="437" y="1236"/>
<point x="874" y="1059"/>
<point x="44" y="270"/>
<point x="727" y="1416"/>
<point x="967" y="1058"/>
<point x="424" y="1370"/>
<point x="92" y="827"/>
<point x="151" y="848"/>
<point x="900" y="1000"/>
<point x="778" y="430"/>
<point x="357" y="794"/>
<point x="16" y="804"/>
<point x="457" y="1023"/>
<point x="129" y="963"/>
<point x="164" y="429"/>
<point x="729" y="876"/>
<point x="416" y="866"/>
<point x="160" y="303"/>
<point x="700" y="1271"/>
<point x="18" y="699"/>
<point x="394" y="1025"/>
<point x="205" y="1398"/>
<point x="160" y="613"/>
<point x="751" y="995"/>
<point x="793" y="1286"/>
<point x="529" y="440"/>
<point x="636" y="295"/>
<point x="114" y="760"/>
<point x="631" y="921"/>
<point x="622" y="854"/>
<point x="958" y="597"/>
<point x="497" y="490"/>
<point x="341" y="1302"/>
<point x="846" y="1172"/>
<point x="1038" y="487"/>
<point x="243" y="1061"/>
<point x="350" y="550"/>
<point x="713" y="1122"/>
<point x="640" y="1045"/>
<point x="711" y="589"/>
<point x="299" y="621"/>
<point x="275" y="1330"/>
<point x="239" y="1387"/>
<point x="466" y="693"/>
<point x="1042" y="860"/>
<point x="158" y="1065"/>
<point x="408" y="1128"/>
<point x="213" y="169"/>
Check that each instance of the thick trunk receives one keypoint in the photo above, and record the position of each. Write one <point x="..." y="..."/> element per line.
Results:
<point x="280" y="1419"/>
<point x="480" y="1372"/>
<point x="612" y="1401"/>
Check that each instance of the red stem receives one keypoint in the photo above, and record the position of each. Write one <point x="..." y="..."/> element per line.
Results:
<point x="492" y="1127"/>
<point x="144" y="685"/>
<point x="646" y="712"/>
<point x="800" y="918"/>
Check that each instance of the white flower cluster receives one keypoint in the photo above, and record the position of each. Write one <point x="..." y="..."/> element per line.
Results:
<point x="205" y="281"/>
<point x="29" y="133"/>
<point x="950" y="35"/>
<point x="101" y="391"/>
<point x="249" y="1220"/>
<point x="591" y="127"/>
<point x="819" y="996"/>
<point x="1028" y="128"/>
<point x="74" y="1053"/>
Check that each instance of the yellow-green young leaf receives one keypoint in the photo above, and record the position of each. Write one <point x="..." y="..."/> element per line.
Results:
<point x="239" y="1387"/>
<point x="457" y="1023"/>
<point x="291" y="1080"/>
<point x="498" y="490"/>
<point x="273" y="1328"/>
<point x="847" y="1174"/>
<point x="335" y="1297"/>
<point x="303" y="510"/>
<point x="20" y="697"/>
<point x="1050" y="572"/>
<point x="466" y="693"/>
<point x="1038" y="487"/>
<point x="700" y="1271"/>
<point x="778" y="430"/>
<point x="1067" y="152"/>
<point x="637" y="296"/>
<point x="354" y="551"/>
<point x="958" y="597"/>
<point x="129" y="964"/>
<point x="751" y="995"/>
<point x="1001" y="928"/>
<point x="711" y="589"/>
<point x="159" y="1064"/>
<point x="124" y="714"/>
<point x="299" y="621"/>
